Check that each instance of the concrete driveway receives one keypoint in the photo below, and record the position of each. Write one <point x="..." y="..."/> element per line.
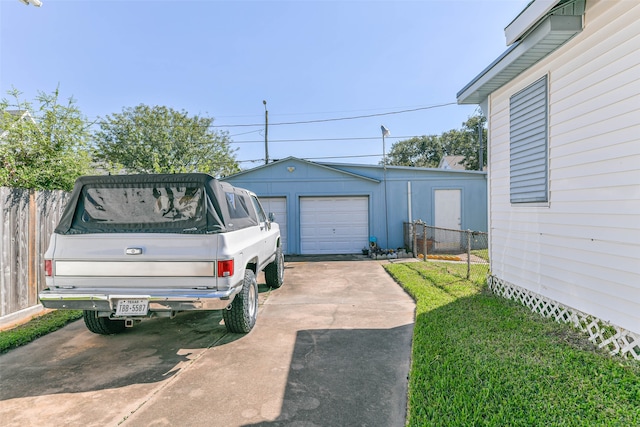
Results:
<point x="330" y="348"/>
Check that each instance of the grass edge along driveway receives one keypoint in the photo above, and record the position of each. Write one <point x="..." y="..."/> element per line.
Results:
<point x="36" y="327"/>
<point x="482" y="360"/>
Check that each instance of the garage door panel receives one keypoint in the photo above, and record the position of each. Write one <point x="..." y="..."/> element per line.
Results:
<point x="334" y="234"/>
<point x="334" y="225"/>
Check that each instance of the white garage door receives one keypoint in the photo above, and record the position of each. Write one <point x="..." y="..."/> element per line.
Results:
<point x="277" y="205"/>
<point x="334" y="225"/>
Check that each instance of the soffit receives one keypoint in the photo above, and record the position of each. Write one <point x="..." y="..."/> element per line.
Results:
<point x="551" y="33"/>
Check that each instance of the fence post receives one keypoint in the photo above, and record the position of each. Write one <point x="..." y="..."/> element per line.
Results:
<point x="424" y="242"/>
<point x="468" y="254"/>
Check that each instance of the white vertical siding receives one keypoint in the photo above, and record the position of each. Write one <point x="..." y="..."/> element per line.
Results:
<point x="583" y="247"/>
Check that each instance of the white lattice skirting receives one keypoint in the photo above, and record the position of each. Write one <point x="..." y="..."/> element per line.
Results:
<point x="603" y="334"/>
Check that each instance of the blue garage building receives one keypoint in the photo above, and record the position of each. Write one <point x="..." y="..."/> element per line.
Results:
<point x="331" y="208"/>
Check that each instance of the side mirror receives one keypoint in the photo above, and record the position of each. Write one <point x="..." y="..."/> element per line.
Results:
<point x="272" y="217"/>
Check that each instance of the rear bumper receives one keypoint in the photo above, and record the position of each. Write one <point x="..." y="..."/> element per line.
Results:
<point x="159" y="300"/>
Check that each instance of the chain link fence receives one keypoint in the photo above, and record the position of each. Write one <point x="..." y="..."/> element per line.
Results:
<point x="466" y="251"/>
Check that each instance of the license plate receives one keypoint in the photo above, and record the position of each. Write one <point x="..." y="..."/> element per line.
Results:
<point x="132" y="307"/>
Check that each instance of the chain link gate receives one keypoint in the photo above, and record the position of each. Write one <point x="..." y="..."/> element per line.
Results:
<point x="443" y="244"/>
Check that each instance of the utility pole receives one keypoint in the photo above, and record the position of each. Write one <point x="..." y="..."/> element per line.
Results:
<point x="385" y="132"/>
<point x="266" y="133"/>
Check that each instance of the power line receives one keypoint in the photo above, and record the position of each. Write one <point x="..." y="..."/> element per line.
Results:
<point x="321" y="112"/>
<point x="315" y="158"/>
<point x="374" y="138"/>
<point x="98" y="121"/>
<point x="335" y="119"/>
<point x="245" y="133"/>
<point x="342" y="157"/>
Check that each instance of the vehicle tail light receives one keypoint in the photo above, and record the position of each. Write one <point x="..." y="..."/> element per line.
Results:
<point x="225" y="268"/>
<point x="48" y="267"/>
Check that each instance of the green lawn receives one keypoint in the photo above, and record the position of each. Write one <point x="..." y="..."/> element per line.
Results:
<point x="35" y="328"/>
<point x="481" y="253"/>
<point x="481" y="360"/>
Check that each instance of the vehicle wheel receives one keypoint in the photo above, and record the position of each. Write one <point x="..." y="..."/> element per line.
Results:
<point x="274" y="272"/>
<point x="242" y="315"/>
<point x="102" y="325"/>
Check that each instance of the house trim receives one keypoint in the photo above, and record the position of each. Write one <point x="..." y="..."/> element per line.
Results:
<point x="550" y="34"/>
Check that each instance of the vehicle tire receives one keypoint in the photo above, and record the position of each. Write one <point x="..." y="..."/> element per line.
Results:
<point x="274" y="272"/>
<point x="102" y="325"/>
<point x="241" y="317"/>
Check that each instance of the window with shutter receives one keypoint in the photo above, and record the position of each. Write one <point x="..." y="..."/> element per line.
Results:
<point x="529" y="163"/>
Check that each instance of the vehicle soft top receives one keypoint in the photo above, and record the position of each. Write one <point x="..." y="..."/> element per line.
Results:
<point x="189" y="203"/>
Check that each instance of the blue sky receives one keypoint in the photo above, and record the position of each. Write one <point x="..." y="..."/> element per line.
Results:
<point x="310" y="60"/>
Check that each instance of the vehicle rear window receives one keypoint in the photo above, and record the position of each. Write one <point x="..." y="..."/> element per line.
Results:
<point x="141" y="204"/>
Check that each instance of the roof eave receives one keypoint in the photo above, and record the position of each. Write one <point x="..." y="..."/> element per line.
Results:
<point x="291" y="158"/>
<point x="550" y="34"/>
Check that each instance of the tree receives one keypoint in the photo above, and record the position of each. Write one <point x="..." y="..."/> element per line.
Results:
<point x="42" y="148"/>
<point x="159" y="139"/>
<point x="428" y="151"/>
<point x="419" y="151"/>
<point x="464" y="142"/>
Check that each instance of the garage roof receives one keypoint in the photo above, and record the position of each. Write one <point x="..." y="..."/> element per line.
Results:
<point x="320" y="165"/>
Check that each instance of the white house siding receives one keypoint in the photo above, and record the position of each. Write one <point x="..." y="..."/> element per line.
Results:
<point x="581" y="249"/>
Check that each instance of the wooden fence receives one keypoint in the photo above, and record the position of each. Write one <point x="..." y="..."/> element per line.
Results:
<point x="27" y="220"/>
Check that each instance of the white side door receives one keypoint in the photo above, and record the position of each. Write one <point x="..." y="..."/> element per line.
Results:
<point x="278" y="205"/>
<point x="448" y="215"/>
